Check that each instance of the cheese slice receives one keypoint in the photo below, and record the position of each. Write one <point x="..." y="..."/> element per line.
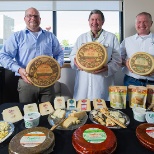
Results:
<point x="30" y="108"/>
<point x="99" y="103"/>
<point x="71" y="104"/>
<point x="79" y="115"/>
<point x="142" y="63"/>
<point x="69" y="121"/>
<point x="46" y="108"/>
<point x="91" y="56"/>
<point x="59" y="102"/>
<point x="12" y="114"/>
<point x="84" y="105"/>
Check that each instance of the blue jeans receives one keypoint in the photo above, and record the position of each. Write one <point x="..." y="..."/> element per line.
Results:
<point x="132" y="81"/>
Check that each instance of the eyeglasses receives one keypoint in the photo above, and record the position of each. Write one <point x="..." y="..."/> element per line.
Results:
<point x="30" y="16"/>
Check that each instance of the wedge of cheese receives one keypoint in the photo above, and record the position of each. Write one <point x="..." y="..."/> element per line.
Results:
<point x="46" y="108"/>
<point x="30" y="108"/>
<point x="84" y="105"/>
<point x="99" y="103"/>
<point x="71" y="104"/>
<point x="12" y="114"/>
<point x="79" y="115"/>
<point x="59" y="103"/>
<point x="69" y="121"/>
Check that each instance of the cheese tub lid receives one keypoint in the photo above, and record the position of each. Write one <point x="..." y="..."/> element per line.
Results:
<point x="91" y="56"/>
<point x="43" y="71"/>
<point x="32" y="140"/>
<point x="142" y="63"/>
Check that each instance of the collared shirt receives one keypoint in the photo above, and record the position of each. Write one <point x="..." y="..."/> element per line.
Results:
<point x="136" y="43"/>
<point x="23" y="46"/>
<point x="98" y="34"/>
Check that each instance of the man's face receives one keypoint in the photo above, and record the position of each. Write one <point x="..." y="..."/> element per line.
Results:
<point x="32" y="20"/>
<point x="143" y="25"/>
<point x="95" y="23"/>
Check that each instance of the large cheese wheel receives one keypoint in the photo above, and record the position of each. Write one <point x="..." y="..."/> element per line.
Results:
<point x="145" y="134"/>
<point x="32" y="141"/>
<point x="142" y="63"/>
<point x="91" y="56"/>
<point x="43" y="71"/>
<point x="94" y="139"/>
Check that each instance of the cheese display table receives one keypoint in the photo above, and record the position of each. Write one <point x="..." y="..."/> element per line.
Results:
<point x="127" y="142"/>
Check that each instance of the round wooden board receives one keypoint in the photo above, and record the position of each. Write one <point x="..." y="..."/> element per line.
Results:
<point x="91" y="56"/>
<point x="43" y="71"/>
<point x="141" y="63"/>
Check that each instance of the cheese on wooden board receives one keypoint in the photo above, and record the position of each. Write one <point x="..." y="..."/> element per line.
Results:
<point x="99" y="103"/>
<point x="59" y="103"/>
<point x="91" y="56"/>
<point x="71" y="104"/>
<point x="46" y="108"/>
<point x="142" y="63"/>
<point x="43" y="71"/>
<point x="30" y="108"/>
<point x="84" y="105"/>
<point x="12" y="114"/>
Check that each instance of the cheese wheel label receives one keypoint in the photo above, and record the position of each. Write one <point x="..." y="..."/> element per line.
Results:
<point x="94" y="135"/>
<point x="150" y="131"/>
<point x="32" y="139"/>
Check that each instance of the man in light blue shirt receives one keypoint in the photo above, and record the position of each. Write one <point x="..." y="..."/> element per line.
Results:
<point x="25" y="45"/>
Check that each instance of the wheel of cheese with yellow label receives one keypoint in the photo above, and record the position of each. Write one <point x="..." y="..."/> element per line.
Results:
<point x="43" y="71"/>
<point x="142" y="63"/>
<point x="91" y="56"/>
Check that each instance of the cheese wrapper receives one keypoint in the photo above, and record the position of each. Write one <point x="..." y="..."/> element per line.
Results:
<point x="30" y="108"/>
<point x="46" y="108"/>
<point x="12" y="114"/>
<point x="84" y="105"/>
<point x="59" y="103"/>
<point x="71" y="104"/>
<point x="99" y="103"/>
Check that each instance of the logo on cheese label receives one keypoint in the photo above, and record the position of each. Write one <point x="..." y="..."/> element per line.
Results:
<point x="94" y="135"/>
<point x="150" y="131"/>
<point x="32" y="139"/>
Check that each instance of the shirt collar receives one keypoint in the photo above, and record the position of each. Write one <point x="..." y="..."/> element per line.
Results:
<point x="146" y="36"/>
<point x="27" y="30"/>
<point x="98" y="34"/>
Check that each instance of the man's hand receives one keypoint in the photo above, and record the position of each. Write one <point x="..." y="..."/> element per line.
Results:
<point x="23" y="75"/>
<point x="103" y="69"/>
<point x="77" y="65"/>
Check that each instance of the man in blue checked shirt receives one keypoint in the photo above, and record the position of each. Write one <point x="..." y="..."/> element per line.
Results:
<point x="25" y="45"/>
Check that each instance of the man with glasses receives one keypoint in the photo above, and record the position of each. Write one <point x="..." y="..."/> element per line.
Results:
<point x="25" y="45"/>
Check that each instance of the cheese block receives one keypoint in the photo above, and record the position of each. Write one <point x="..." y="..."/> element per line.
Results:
<point x="30" y="108"/>
<point x="43" y="71"/>
<point x="69" y="121"/>
<point x="33" y="141"/>
<point x="46" y="108"/>
<point x="79" y="114"/>
<point x="59" y="103"/>
<point x="142" y="63"/>
<point x="12" y="114"/>
<point x="94" y="139"/>
<point x="59" y="113"/>
<point x="99" y="103"/>
<point x="91" y="56"/>
<point x="71" y="104"/>
<point x="84" y="105"/>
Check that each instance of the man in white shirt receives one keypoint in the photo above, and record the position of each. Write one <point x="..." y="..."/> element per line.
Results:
<point x="142" y="41"/>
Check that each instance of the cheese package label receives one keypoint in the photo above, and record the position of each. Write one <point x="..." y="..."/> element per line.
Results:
<point x="30" y="108"/>
<point x="84" y="105"/>
<point x="99" y="103"/>
<point x="46" y="108"/>
<point x="59" y="103"/>
<point x="71" y="104"/>
<point x="12" y="114"/>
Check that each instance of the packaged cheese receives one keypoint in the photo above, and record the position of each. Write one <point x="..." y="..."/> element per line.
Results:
<point x="71" y="104"/>
<point x="46" y="108"/>
<point x="150" y="95"/>
<point x="59" y="103"/>
<point x="84" y="105"/>
<point x="12" y="114"/>
<point x="30" y="108"/>
<point x="99" y="103"/>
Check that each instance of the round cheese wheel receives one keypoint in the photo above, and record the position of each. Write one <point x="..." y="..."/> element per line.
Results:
<point x="43" y="71"/>
<point x="142" y="63"/>
<point x="145" y="134"/>
<point x="32" y="141"/>
<point x="95" y="139"/>
<point x="91" y="56"/>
